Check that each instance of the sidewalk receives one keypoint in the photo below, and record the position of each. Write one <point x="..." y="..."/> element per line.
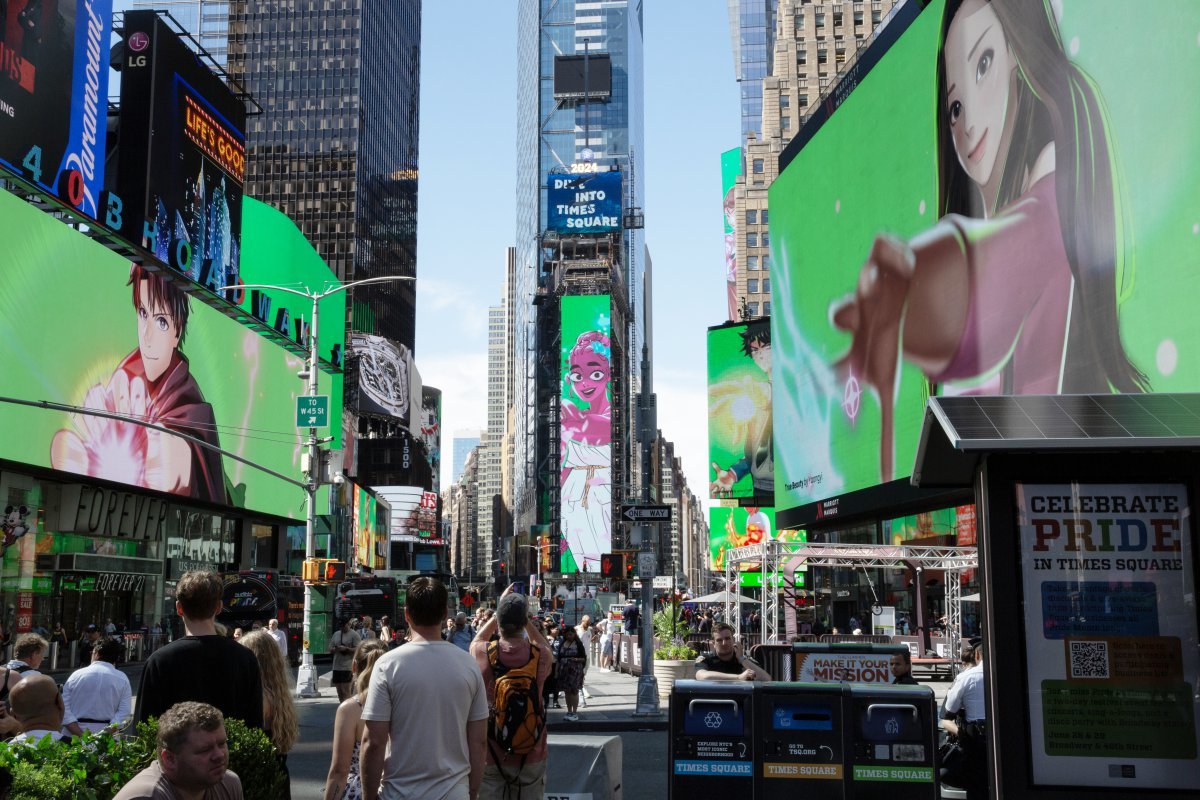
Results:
<point x="610" y="707"/>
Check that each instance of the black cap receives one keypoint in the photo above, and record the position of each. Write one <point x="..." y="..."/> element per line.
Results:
<point x="512" y="611"/>
<point x="91" y="629"/>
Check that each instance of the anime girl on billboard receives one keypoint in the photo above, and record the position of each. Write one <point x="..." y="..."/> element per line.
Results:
<point x="153" y="383"/>
<point x="1014" y="290"/>
<point x="586" y="477"/>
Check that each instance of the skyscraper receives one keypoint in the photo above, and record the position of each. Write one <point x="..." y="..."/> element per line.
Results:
<point x="580" y="115"/>
<point x="464" y="442"/>
<point x="336" y="145"/>
<point x="752" y="34"/>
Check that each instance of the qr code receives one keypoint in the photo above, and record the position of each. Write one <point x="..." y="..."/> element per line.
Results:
<point x="1089" y="659"/>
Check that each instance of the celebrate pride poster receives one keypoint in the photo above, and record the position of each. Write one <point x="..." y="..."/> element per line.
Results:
<point x="1111" y="643"/>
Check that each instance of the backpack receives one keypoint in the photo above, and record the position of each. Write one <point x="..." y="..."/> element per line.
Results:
<point x="517" y="718"/>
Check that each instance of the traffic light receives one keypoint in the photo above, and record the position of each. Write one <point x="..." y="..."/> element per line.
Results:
<point x="612" y="565"/>
<point x="323" y="570"/>
<point x="335" y="571"/>
<point x="310" y="571"/>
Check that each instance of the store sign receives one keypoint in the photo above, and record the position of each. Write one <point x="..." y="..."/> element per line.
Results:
<point x="109" y="512"/>
<point x="177" y="566"/>
<point x="1110" y="646"/>
<point x="120" y="582"/>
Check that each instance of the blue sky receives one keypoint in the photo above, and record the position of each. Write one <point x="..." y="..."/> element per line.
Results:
<point x="468" y="173"/>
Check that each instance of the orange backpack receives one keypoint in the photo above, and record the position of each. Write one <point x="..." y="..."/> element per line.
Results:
<point x="517" y="718"/>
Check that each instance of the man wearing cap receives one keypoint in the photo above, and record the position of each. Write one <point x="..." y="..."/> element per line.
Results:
<point x="91" y="635"/>
<point x="520" y="642"/>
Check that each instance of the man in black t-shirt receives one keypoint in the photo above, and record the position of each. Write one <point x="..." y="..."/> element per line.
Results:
<point x="202" y="666"/>
<point x="726" y="662"/>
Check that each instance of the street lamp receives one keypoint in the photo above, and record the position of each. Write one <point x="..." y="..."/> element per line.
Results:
<point x="306" y="677"/>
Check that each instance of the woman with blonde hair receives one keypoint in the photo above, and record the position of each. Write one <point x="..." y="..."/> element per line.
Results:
<point x="280" y="722"/>
<point x="343" y="781"/>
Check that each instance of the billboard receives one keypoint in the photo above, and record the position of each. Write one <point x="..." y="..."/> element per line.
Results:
<point x="53" y="95"/>
<point x="577" y="76"/>
<point x="414" y="514"/>
<point x="731" y="168"/>
<point x="380" y="377"/>
<point x="730" y="527"/>
<point x="741" y="447"/>
<point x="126" y="342"/>
<point x="584" y="203"/>
<point x="182" y="155"/>
<point x="1008" y="239"/>
<point x="430" y="431"/>
<point x="586" y="430"/>
<point x="370" y="517"/>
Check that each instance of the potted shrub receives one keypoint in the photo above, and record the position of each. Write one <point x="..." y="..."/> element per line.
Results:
<point x="673" y="658"/>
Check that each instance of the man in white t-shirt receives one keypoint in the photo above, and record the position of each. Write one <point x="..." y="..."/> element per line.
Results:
<point x="279" y="636"/>
<point x="426" y="709"/>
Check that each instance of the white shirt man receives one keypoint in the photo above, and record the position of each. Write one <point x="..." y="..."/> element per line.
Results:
<point x="279" y="636"/>
<point x="98" y="696"/>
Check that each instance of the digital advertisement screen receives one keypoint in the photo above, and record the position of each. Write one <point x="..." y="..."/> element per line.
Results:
<point x="182" y="155"/>
<point x="741" y="448"/>
<point x="586" y="203"/>
<point x="144" y="349"/>
<point x="731" y="168"/>
<point x="414" y="514"/>
<point x="1041" y="262"/>
<point x="431" y="430"/>
<point x="380" y="375"/>
<point x="370" y="525"/>
<point x="586" y="429"/>
<point x="737" y="527"/>
<point x="54" y="95"/>
<point x="1110" y="644"/>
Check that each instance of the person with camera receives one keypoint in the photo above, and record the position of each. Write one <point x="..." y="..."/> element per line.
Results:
<point x="342" y="644"/>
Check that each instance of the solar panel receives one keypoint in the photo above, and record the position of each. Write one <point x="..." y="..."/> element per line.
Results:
<point x="1069" y="421"/>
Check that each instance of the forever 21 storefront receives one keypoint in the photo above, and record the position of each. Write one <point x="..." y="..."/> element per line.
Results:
<point x="101" y="516"/>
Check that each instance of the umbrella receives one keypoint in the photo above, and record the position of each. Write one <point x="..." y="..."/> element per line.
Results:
<point x="722" y="597"/>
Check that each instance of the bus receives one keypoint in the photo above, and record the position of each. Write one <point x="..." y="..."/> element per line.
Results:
<point x="252" y="596"/>
<point x="374" y="596"/>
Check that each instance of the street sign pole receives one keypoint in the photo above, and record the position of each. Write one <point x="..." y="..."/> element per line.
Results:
<point x="647" y="690"/>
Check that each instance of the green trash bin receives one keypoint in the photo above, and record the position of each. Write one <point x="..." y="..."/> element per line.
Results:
<point x="892" y="743"/>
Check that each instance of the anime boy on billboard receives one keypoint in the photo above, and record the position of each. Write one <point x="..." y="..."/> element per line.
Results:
<point x="153" y="383"/>
<point x="1014" y="290"/>
<point x="587" y="450"/>
<point x="758" y="436"/>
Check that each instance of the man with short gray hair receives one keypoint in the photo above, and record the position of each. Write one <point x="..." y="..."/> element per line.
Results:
<point x="193" y="759"/>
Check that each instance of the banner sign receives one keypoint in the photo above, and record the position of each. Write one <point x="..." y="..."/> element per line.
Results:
<point x="847" y="667"/>
<point x="588" y="203"/>
<point x="1110" y="647"/>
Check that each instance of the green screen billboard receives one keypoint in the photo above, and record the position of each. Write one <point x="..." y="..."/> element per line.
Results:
<point x="586" y="430"/>
<point x="741" y="448"/>
<point x="731" y="168"/>
<point x="737" y="527"/>
<point x="83" y="329"/>
<point x="1021" y="228"/>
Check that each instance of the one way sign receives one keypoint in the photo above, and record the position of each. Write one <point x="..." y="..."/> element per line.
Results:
<point x="646" y="513"/>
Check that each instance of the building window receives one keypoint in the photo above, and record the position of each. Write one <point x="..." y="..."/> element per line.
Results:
<point x="858" y="17"/>
<point x="837" y="19"/>
<point x="766" y="259"/>
<point x="803" y="101"/>
<point x="802" y="57"/>
<point x="751" y="240"/>
<point x="767" y="308"/>
<point x="822" y="56"/>
<point x="820" y="19"/>
<point x="784" y="101"/>
<point x="751" y="216"/>
<point x="766" y="239"/>
<point x="766" y="285"/>
<point x="751" y="262"/>
<point x="752" y="309"/>
<point x="876" y="17"/>
<point x="752" y="286"/>
<point x="785" y="123"/>
<point x="764" y="216"/>
<point x="758" y="166"/>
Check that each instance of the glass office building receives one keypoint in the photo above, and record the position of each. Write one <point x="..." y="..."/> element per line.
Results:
<point x="552" y="135"/>
<point x="336" y="145"/>
<point x="752" y="31"/>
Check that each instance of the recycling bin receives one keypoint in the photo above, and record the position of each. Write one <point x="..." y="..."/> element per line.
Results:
<point x="801" y="745"/>
<point x="712" y="740"/>
<point x="891" y="743"/>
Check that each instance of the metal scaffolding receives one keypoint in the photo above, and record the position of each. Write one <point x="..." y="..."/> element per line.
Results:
<point x="773" y="554"/>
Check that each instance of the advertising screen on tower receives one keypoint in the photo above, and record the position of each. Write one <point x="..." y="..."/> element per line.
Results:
<point x="1030" y="227"/>
<point x="382" y="378"/>
<point x="585" y="203"/>
<point x="53" y="95"/>
<point x="431" y="430"/>
<point x="124" y="341"/>
<point x="731" y="168"/>
<point x="737" y="527"/>
<point x="586" y="429"/>
<point x="741" y="449"/>
<point x="182" y="155"/>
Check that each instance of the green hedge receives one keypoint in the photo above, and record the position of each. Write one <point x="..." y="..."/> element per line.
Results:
<point x="95" y="767"/>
